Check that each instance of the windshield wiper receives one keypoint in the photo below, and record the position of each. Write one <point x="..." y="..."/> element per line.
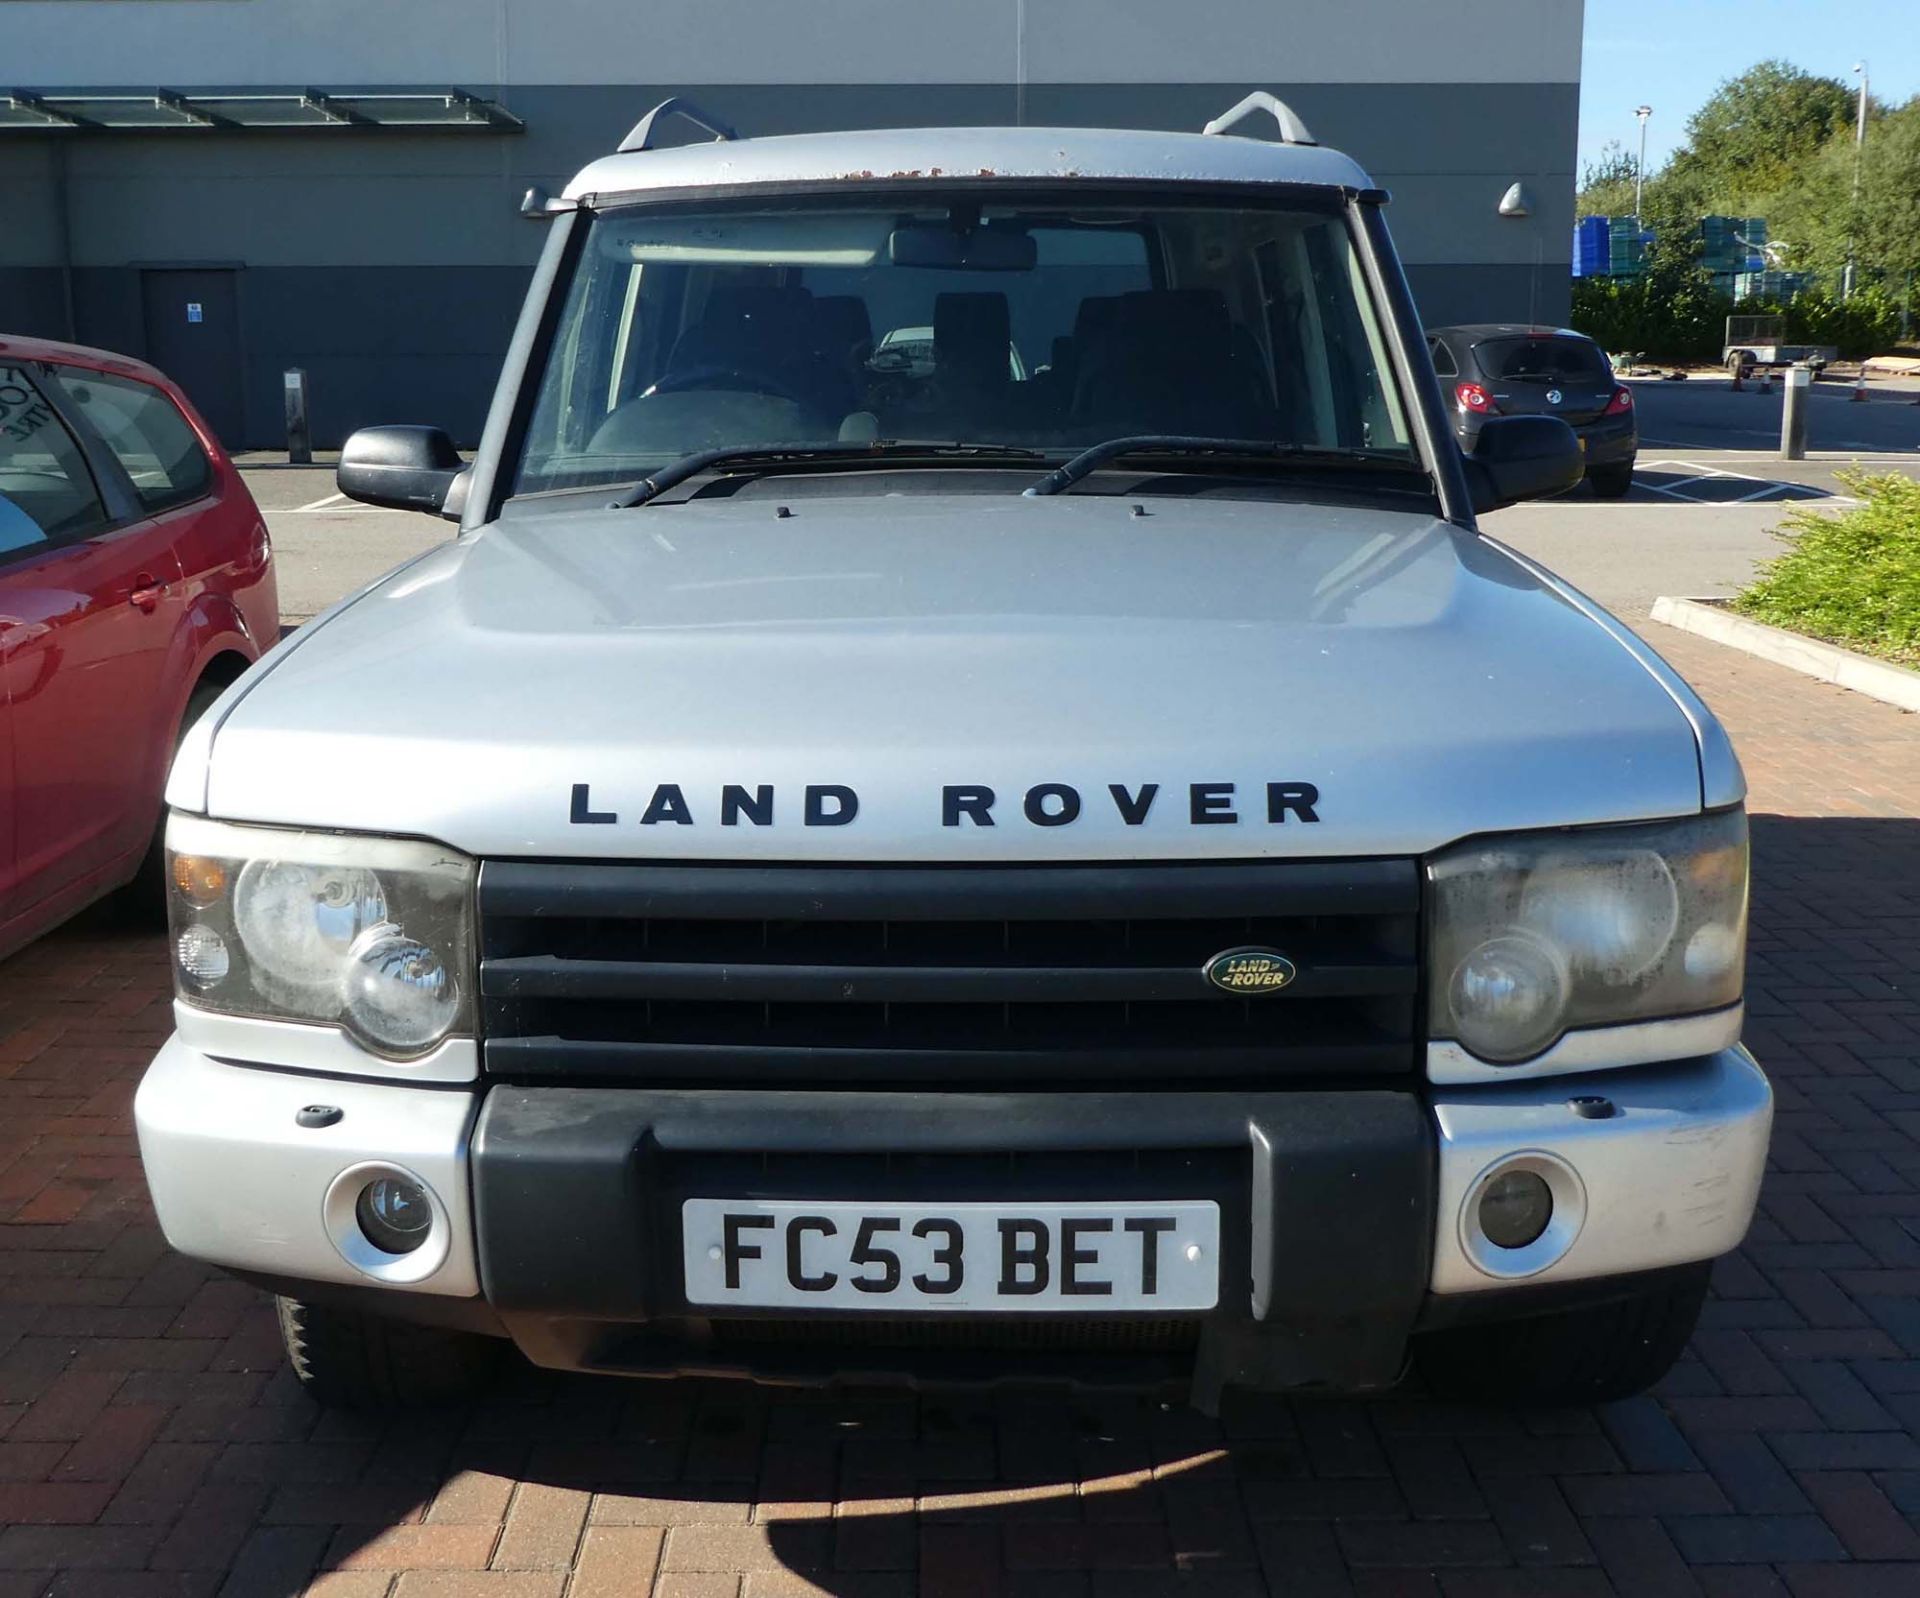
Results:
<point x="1064" y="477"/>
<point x="730" y="455"/>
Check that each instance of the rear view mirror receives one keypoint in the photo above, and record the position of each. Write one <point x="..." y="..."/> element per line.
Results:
<point x="401" y="467"/>
<point x="983" y="249"/>
<point x="1522" y="457"/>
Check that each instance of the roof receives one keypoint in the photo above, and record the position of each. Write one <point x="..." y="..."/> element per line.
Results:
<point x="17" y="348"/>
<point x="1477" y="330"/>
<point x="918" y="154"/>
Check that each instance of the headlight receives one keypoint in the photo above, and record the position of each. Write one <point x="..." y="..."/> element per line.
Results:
<point x="367" y="934"/>
<point x="1536" y="934"/>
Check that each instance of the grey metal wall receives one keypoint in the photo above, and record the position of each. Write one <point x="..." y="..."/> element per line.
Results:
<point x="390" y="264"/>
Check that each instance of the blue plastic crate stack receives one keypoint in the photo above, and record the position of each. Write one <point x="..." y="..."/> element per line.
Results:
<point x="1732" y="246"/>
<point x="1776" y="286"/>
<point x="1590" y="247"/>
<point x="1609" y="246"/>
<point x="1732" y="249"/>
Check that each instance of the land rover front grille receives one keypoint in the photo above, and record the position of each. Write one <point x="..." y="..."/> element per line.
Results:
<point x="904" y="975"/>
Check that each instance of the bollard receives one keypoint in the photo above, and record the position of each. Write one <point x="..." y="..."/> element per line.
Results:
<point x="1793" y="414"/>
<point x="299" y="437"/>
<point x="1766" y="380"/>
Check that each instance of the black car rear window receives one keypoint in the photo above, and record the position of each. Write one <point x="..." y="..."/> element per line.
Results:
<point x="1553" y="359"/>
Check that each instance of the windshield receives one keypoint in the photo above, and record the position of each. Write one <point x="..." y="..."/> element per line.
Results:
<point x="1550" y="360"/>
<point x="1045" y="326"/>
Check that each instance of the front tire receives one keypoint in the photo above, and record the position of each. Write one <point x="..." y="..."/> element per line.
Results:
<point x="347" y="1359"/>
<point x="1584" y="1356"/>
<point x="1611" y="482"/>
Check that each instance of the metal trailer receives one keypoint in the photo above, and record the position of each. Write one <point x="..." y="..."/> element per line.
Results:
<point x="1754" y="341"/>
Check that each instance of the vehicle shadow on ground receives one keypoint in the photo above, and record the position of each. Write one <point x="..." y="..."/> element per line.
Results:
<point x="861" y="1493"/>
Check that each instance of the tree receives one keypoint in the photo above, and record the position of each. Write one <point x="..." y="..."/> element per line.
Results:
<point x="1814" y="218"/>
<point x="1606" y="186"/>
<point x="1671" y="311"/>
<point x="1758" y="129"/>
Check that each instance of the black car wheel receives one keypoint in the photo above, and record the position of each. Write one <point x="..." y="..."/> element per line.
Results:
<point x="349" y="1359"/>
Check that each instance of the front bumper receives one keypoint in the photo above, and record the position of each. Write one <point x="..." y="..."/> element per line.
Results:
<point x="1341" y="1212"/>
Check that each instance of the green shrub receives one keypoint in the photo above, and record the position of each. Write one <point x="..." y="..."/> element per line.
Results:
<point x="1670" y="316"/>
<point x="1867" y="324"/>
<point x="1851" y="577"/>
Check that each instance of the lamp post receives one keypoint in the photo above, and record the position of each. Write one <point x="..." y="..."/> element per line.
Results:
<point x="1640" y="170"/>
<point x="1859" y="147"/>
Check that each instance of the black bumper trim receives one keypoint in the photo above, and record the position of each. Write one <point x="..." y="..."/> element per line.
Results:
<point x="1326" y="1202"/>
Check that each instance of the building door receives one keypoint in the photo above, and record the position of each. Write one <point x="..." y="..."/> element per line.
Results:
<point x="193" y="335"/>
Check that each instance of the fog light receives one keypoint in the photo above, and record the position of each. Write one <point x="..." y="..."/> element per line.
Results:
<point x="394" y="1214"/>
<point x="203" y="957"/>
<point x="1515" y="1208"/>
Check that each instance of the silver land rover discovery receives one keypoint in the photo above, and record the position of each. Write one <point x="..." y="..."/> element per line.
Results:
<point x="969" y="802"/>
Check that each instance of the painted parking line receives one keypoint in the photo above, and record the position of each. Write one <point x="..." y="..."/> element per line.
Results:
<point x="1839" y="454"/>
<point x="1770" y="489"/>
<point x="332" y="505"/>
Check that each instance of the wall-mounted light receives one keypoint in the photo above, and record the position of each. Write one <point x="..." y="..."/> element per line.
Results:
<point x="1516" y="202"/>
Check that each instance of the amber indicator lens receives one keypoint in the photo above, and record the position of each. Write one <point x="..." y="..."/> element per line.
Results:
<point x="201" y="881"/>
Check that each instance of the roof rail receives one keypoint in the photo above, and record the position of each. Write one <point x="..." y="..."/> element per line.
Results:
<point x="641" y="138"/>
<point x="1292" y="129"/>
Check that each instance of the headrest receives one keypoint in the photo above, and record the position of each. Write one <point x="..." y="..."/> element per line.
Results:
<point x="972" y="323"/>
<point x="1097" y="314"/>
<point x="1178" y="316"/>
<point x="843" y="322"/>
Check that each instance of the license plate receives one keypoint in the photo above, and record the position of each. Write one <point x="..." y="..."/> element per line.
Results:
<point x="1087" y="1258"/>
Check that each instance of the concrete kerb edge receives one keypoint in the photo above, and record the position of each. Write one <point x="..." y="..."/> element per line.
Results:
<point x="1878" y="679"/>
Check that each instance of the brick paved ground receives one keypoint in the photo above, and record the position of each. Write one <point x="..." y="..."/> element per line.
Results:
<point x="152" y="1444"/>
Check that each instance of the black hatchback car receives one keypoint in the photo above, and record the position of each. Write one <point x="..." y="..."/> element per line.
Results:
<point x="1501" y="369"/>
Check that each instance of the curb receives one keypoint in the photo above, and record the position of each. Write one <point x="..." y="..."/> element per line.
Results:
<point x="1864" y="675"/>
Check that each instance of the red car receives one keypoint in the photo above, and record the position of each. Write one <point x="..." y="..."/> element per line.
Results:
<point x="136" y="581"/>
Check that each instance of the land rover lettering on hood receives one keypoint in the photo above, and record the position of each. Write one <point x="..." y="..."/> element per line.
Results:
<point x="971" y="790"/>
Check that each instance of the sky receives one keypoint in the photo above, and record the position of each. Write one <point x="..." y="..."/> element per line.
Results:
<point x="1672" y="54"/>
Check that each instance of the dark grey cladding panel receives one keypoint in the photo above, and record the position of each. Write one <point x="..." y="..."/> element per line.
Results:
<point x="32" y="302"/>
<point x="347" y="197"/>
<point x="1450" y="293"/>
<point x="107" y="305"/>
<point x="378" y="344"/>
<point x="1401" y="128"/>
<point x="1407" y="129"/>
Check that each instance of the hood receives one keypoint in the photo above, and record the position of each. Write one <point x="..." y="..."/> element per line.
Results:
<point x="851" y="679"/>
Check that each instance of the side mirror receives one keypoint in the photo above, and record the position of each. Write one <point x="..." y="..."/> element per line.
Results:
<point x="1523" y="457"/>
<point x="402" y="468"/>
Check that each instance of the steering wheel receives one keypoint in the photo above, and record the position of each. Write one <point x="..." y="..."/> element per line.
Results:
<point x="727" y="377"/>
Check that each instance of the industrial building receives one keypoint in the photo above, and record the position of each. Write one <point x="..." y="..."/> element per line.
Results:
<point x="232" y="188"/>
